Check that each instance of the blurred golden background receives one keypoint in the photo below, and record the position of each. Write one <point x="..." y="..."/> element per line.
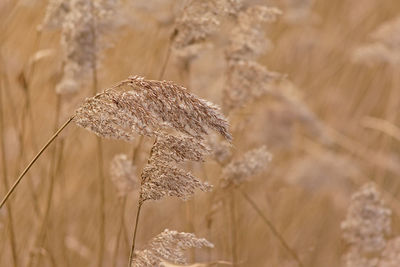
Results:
<point x="335" y="129"/>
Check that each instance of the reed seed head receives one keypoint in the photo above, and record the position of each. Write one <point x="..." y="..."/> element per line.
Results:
<point x="168" y="246"/>
<point x="123" y="174"/>
<point x="368" y="221"/>
<point x="251" y="163"/>
<point x="161" y="178"/>
<point x="148" y="107"/>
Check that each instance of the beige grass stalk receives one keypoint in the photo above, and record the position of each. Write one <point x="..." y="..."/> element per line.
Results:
<point x="35" y="158"/>
<point x="55" y="160"/>
<point x="27" y="113"/>
<point x="271" y="226"/>
<point x="5" y="183"/>
<point x="100" y="161"/>
<point x="120" y="231"/>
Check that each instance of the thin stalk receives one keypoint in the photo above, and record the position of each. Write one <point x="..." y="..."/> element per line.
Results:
<point x="11" y="190"/>
<point x="99" y="148"/>
<point x="121" y="229"/>
<point x="134" y="234"/>
<point x="53" y="173"/>
<point x="5" y="183"/>
<point x="164" y="66"/>
<point x="190" y="225"/>
<point x="232" y="217"/>
<point x="102" y="201"/>
<point x="271" y="227"/>
<point x="26" y="112"/>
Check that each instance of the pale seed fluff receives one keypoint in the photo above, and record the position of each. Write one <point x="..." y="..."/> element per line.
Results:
<point x="366" y="226"/>
<point x="56" y="11"/>
<point x="390" y="256"/>
<point x="221" y="150"/>
<point x="197" y="21"/>
<point x="247" y="40"/>
<point x="123" y="174"/>
<point x="161" y="177"/>
<point x="169" y="246"/>
<point x="148" y="107"/>
<point x="385" y="48"/>
<point x="246" y="80"/>
<point x="84" y="23"/>
<point x="250" y="164"/>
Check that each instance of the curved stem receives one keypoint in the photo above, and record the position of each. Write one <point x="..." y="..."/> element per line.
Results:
<point x="134" y="234"/>
<point x="5" y="183"/>
<point x="11" y="190"/>
<point x="52" y="173"/>
<point x="271" y="227"/>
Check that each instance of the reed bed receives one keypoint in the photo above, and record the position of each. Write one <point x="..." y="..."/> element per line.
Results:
<point x="199" y="133"/>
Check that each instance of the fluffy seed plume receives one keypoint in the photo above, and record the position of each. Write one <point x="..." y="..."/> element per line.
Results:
<point x="178" y="148"/>
<point x="385" y="48"/>
<point x="198" y="20"/>
<point x="367" y="221"/>
<point x="390" y="257"/>
<point x="168" y="246"/>
<point x="84" y="23"/>
<point x="366" y="227"/>
<point x="56" y="11"/>
<point x="251" y="163"/>
<point x="123" y="174"/>
<point x="161" y="178"/>
<point x="246" y="80"/>
<point x="247" y="40"/>
<point x="147" y="107"/>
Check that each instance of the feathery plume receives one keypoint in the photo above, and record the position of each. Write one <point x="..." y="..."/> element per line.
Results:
<point x="385" y="48"/>
<point x="247" y="40"/>
<point x="367" y="221"/>
<point x="199" y="20"/>
<point x="148" y="107"/>
<point x="178" y="148"/>
<point x="161" y="178"/>
<point x="123" y="174"/>
<point x="246" y="80"/>
<point x="54" y="16"/>
<point x="390" y="256"/>
<point x="251" y="163"/>
<point x="84" y="23"/>
<point x="168" y="246"/>
<point x="221" y="150"/>
<point x="366" y="226"/>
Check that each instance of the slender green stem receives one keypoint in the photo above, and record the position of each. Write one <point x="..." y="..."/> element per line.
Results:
<point x="134" y="234"/>
<point x="271" y="227"/>
<point x="11" y="190"/>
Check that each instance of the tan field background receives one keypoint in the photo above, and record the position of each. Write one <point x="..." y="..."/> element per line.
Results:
<point x="305" y="190"/>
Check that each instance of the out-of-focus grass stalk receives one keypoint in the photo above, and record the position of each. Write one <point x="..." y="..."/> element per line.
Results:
<point x="271" y="227"/>
<point x="52" y="173"/>
<point x="234" y="228"/>
<point x="11" y="229"/>
<point x="99" y="149"/>
<point x="35" y="158"/>
<point x="120" y="231"/>
<point x="132" y="253"/>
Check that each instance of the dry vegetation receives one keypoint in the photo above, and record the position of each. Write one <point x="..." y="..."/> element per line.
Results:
<point x="226" y="133"/>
